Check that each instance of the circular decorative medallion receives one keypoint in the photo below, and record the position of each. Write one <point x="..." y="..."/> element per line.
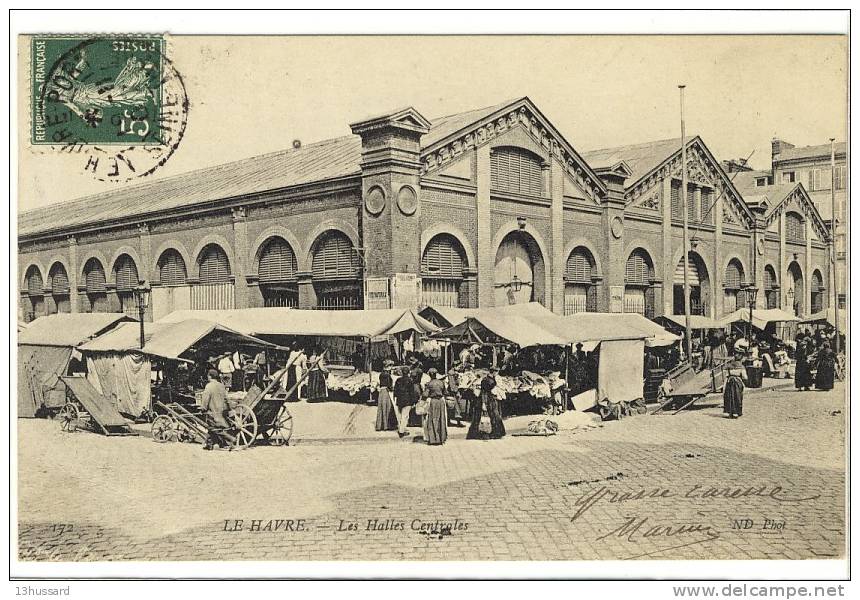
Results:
<point x="407" y="200"/>
<point x="374" y="202"/>
<point x="616" y="227"/>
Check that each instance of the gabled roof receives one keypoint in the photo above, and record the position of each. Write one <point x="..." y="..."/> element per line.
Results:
<point x="777" y="195"/>
<point x="479" y="126"/>
<point x="640" y="158"/>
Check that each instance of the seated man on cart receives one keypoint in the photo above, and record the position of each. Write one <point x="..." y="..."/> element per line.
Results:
<point x="214" y="402"/>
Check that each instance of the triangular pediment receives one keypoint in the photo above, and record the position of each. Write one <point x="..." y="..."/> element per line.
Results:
<point x="703" y="169"/>
<point x="798" y="200"/>
<point x="519" y="114"/>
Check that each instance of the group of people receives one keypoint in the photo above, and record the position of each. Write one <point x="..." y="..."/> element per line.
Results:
<point x="814" y="353"/>
<point x="437" y="400"/>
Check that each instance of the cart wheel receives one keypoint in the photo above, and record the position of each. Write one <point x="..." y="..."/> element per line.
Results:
<point x="70" y="418"/>
<point x="282" y="429"/>
<point x="243" y="425"/>
<point x="164" y="429"/>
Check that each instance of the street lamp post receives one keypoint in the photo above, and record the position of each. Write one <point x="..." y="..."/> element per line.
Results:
<point x="141" y="294"/>
<point x="751" y="291"/>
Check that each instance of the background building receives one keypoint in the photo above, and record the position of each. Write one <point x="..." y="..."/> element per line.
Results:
<point x="487" y="207"/>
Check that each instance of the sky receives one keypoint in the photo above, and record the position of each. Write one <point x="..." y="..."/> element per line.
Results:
<point x="251" y="95"/>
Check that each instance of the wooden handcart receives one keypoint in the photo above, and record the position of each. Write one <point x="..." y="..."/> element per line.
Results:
<point x="86" y="408"/>
<point x="261" y="417"/>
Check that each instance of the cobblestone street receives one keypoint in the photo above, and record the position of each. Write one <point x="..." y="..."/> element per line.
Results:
<point x="690" y="486"/>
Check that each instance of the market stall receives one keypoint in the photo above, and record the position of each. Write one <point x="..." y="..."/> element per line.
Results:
<point x="117" y="367"/>
<point x="771" y="323"/>
<point x="46" y="349"/>
<point x="354" y="340"/>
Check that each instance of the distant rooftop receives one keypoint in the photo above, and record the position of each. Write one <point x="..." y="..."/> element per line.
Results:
<point x="641" y="158"/>
<point x="801" y="152"/>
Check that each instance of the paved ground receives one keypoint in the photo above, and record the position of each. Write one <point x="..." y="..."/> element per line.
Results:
<point x="695" y="485"/>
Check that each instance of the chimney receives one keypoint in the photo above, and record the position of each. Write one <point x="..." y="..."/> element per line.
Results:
<point x="777" y="146"/>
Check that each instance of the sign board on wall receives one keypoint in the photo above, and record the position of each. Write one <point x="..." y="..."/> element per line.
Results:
<point x="376" y="294"/>
<point x="616" y="298"/>
<point x="404" y="290"/>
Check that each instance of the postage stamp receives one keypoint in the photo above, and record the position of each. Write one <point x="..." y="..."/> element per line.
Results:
<point x="117" y="100"/>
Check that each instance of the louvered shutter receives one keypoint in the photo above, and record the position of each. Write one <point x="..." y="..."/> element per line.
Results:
<point x="59" y="281"/>
<point x="95" y="276"/>
<point x="516" y="170"/>
<point x="706" y="213"/>
<point x="126" y="274"/>
<point x="443" y="258"/>
<point x="794" y="228"/>
<point x="334" y="258"/>
<point x="691" y="203"/>
<point x="214" y="266"/>
<point x="769" y="279"/>
<point x="579" y="265"/>
<point x="171" y="268"/>
<point x="34" y="282"/>
<point x="637" y="270"/>
<point x="278" y="262"/>
<point x="677" y="209"/>
<point x="734" y="275"/>
<point x="693" y="275"/>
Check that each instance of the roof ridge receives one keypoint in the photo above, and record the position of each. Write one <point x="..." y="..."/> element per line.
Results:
<point x="638" y="144"/>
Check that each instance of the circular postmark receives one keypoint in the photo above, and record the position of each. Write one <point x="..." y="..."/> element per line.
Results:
<point x="118" y="102"/>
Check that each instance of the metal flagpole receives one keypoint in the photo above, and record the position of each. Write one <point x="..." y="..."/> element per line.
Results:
<point x="686" y="242"/>
<point x="833" y="242"/>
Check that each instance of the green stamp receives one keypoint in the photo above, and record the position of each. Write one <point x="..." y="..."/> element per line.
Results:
<point x="116" y="99"/>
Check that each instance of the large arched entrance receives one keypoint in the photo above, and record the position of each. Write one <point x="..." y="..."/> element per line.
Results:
<point x="795" y="292"/>
<point x="700" y="286"/>
<point x="519" y="272"/>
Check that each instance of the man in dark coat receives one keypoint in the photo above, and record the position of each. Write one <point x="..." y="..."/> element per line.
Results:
<point x="405" y="399"/>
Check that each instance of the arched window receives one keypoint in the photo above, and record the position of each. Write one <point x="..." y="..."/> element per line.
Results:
<point x="817" y="290"/>
<point x="771" y="287"/>
<point x="795" y="229"/>
<point x="96" y="286"/>
<point x="214" y="290"/>
<point x="697" y="278"/>
<point x="732" y="284"/>
<point x="638" y="289"/>
<point x="214" y="265"/>
<point x="516" y="170"/>
<point x="580" y="293"/>
<point x="35" y="286"/>
<point x="442" y="266"/>
<point x="59" y="282"/>
<point x="34" y="304"/>
<point x="336" y="272"/>
<point x="277" y="271"/>
<point x="171" y="268"/>
<point x="125" y="275"/>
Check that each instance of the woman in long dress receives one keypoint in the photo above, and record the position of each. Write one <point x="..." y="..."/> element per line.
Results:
<point x="487" y="401"/>
<point x="826" y="368"/>
<point x="317" y="389"/>
<point x="436" y="419"/>
<point x="802" y="378"/>
<point x="733" y="391"/>
<point x="386" y="418"/>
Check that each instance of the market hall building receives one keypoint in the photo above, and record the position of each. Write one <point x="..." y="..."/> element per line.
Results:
<point x="483" y="208"/>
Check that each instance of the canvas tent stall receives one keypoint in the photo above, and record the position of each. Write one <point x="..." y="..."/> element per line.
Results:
<point x="772" y="321"/>
<point x="697" y="322"/>
<point x="45" y="349"/>
<point x="340" y="333"/>
<point x="118" y="368"/>
<point x="827" y="317"/>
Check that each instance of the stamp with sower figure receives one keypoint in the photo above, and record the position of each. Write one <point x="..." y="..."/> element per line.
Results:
<point x="117" y="101"/>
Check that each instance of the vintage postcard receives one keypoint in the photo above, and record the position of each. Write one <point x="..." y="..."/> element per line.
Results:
<point x="431" y="298"/>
